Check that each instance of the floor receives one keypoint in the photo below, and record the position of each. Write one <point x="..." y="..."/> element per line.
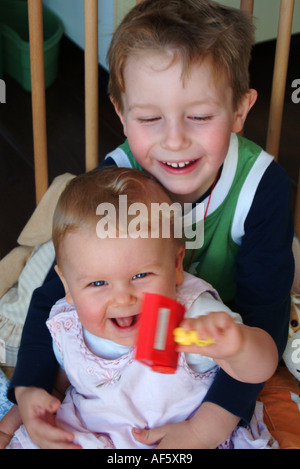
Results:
<point x="65" y="130"/>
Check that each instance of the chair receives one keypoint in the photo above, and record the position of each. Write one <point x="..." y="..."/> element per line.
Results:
<point x="91" y="88"/>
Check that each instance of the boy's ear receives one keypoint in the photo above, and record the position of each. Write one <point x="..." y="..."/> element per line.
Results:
<point x="68" y="295"/>
<point x="179" y="265"/>
<point x="246" y="103"/>
<point x="121" y="116"/>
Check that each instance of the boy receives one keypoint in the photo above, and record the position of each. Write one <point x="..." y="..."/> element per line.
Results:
<point x="179" y="82"/>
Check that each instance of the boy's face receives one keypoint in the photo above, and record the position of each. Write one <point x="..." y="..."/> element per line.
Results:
<point x="105" y="279"/>
<point x="178" y="131"/>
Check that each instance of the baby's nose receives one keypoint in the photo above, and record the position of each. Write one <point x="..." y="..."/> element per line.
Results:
<point x="124" y="297"/>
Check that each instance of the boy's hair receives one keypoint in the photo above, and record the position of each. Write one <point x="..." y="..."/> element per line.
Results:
<point x="194" y="30"/>
<point x="77" y="205"/>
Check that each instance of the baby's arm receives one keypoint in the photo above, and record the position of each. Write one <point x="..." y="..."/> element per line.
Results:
<point x="237" y="348"/>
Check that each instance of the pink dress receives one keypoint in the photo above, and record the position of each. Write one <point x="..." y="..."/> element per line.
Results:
<point x="107" y="398"/>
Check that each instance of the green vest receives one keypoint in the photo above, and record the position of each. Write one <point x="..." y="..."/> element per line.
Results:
<point x="214" y="261"/>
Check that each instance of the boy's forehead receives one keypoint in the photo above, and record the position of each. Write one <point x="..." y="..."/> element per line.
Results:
<point x="162" y="60"/>
<point x="153" y="65"/>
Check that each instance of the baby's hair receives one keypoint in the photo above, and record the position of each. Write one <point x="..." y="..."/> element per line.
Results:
<point x="194" y="30"/>
<point x="77" y="205"/>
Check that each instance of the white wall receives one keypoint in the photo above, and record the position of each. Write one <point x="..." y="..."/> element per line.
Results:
<point x="71" y="13"/>
<point x="266" y="14"/>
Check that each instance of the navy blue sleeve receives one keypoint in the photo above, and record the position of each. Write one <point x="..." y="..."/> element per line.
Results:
<point x="36" y="363"/>
<point x="264" y="272"/>
<point x="265" y="262"/>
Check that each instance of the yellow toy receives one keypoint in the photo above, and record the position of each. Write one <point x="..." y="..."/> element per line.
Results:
<point x="182" y="337"/>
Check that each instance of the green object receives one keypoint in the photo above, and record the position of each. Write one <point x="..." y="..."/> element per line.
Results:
<point x="14" y="32"/>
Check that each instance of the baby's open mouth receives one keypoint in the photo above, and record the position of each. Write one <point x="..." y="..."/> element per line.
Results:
<point x="179" y="165"/>
<point x="125" y="322"/>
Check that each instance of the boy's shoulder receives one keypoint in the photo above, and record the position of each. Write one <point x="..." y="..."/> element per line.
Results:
<point x="123" y="157"/>
<point x="250" y="152"/>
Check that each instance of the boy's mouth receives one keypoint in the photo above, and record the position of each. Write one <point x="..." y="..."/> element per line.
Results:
<point x="125" y="322"/>
<point x="180" y="164"/>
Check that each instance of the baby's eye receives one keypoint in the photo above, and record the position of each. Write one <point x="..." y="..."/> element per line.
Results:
<point x="142" y="275"/>
<point x="98" y="283"/>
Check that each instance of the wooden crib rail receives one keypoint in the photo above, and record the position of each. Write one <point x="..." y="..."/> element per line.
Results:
<point x="279" y="76"/>
<point x="91" y="83"/>
<point x="35" y="18"/>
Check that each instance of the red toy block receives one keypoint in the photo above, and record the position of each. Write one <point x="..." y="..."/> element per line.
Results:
<point x="158" y="318"/>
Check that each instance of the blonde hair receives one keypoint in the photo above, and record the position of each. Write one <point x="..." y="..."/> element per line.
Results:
<point x="76" y="207"/>
<point x="194" y="30"/>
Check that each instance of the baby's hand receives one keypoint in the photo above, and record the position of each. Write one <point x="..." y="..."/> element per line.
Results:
<point x="37" y="409"/>
<point x="220" y="336"/>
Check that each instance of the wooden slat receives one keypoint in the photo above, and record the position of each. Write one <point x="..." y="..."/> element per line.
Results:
<point x="247" y="5"/>
<point x="279" y="76"/>
<point x="35" y="16"/>
<point x="91" y="83"/>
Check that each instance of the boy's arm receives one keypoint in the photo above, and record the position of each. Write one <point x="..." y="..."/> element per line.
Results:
<point x="207" y="429"/>
<point x="36" y="364"/>
<point x="265" y="270"/>
<point x="265" y="262"/>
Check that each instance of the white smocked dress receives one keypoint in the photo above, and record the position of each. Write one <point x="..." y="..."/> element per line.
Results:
<point x="107" y="398"/>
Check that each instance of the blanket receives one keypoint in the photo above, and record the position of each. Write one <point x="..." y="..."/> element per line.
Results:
<point x="25" y="269"/>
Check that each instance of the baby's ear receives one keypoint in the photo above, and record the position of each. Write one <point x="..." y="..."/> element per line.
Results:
<point x="68" y="295"/>
<point x="246" y="103"/>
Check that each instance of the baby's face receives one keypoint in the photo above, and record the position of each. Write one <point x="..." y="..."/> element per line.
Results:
<point x="106" y="278"/>
<point x="178" y="131"/>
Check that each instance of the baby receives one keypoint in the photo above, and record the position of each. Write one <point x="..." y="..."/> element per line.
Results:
<point x="106" y="266"/>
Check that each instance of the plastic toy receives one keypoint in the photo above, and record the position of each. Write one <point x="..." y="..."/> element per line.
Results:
<point x="159" y="316"/>
<point x="183" y="337"/>
<point x="291" y="355"/>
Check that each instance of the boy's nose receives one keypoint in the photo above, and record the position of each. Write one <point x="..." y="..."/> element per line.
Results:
<point x="175" y="137"/>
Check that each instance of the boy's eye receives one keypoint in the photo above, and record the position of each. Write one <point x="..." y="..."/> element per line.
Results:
<point x="98" y="283"/>
<point x="200" y="118"/>
<point x="142" y="275"/>
<point x="148" y="119"/>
